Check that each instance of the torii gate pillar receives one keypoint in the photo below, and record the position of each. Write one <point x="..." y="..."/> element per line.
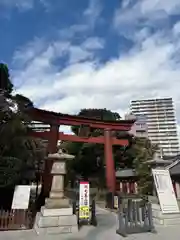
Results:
<point x="110" y="168"/>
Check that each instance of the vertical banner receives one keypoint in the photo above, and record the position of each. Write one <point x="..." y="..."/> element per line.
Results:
<point x="84" y="209"/>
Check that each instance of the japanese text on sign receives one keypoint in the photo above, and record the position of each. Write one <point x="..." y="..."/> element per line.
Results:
<point x="84" y="200"/>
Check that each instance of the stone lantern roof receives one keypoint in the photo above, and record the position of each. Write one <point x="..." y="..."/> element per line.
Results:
<point x="159" y="161"/>
<point x="61" y="155"/>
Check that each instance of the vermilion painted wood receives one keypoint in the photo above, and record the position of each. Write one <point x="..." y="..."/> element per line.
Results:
<point x="65" y="119"/>
<point x="74" y="138"/>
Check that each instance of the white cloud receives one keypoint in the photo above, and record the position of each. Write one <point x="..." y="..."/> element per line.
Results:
<point x="176" y="29"/>
<point x="68" y="33"/>
<point x="28" y="52"/>
<point x="89" y="18"/>
<point x="36" y="59"/>
<point x="94" y="43"/>
<point x="146" y="71"/>
<point x="92" y="13"/>
<point x="20" y="4"/>
<point x="167" y="6"/>
<point x="78" y="54"/>
<point x="144" y="13"/>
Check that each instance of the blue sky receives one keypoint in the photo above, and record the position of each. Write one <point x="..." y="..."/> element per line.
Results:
<point x="71" y="54"/>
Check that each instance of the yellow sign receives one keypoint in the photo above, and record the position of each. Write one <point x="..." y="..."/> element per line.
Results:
<point x="84" y="212"/>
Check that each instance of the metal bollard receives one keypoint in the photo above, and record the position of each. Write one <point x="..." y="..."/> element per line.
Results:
<point x="74" y="207"/>
<point x="121" y="230"/>
<point x="121" y="225"/>
<point x="150" y="218"/>
<point x="93" y="220"/>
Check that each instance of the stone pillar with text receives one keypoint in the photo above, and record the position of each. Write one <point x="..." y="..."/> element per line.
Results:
<point x="57" y="215"/>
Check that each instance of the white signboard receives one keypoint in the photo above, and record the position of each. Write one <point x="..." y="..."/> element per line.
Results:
<point x="21" y="197"/>
<point x="165" y="191"/>
<point x="84" y="210"/>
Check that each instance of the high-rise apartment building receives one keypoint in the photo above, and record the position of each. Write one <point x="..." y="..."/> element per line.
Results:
<point x="161" y="123"/>
<point x="139" y="128"/>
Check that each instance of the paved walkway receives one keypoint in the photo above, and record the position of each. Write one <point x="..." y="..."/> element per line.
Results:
<point x="105" y="230"/>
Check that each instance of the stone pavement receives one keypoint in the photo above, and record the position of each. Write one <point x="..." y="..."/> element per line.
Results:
<point x="105" y="230"/>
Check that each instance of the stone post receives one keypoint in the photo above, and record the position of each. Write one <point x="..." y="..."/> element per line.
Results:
<point x="57" y="214"/>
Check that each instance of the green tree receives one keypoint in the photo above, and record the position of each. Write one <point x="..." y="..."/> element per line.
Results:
<point x="19" y="152"/>
<point x="99" y="114"/>
<point x="5" y="82"/>
<point x="142" y="150"/>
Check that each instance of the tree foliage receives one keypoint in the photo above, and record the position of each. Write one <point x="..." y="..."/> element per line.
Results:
<point x="99" y="114"/>
<point x="5" y="82"/>
<point x="19" y="152"/>
<point x="142" y="150"/>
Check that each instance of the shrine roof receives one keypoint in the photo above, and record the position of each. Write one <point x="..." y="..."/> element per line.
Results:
<point x="174" y="168"/>
<point x="123" y="173"/>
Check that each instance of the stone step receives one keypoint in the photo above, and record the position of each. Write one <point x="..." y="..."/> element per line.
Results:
<point x="55" y="224"/>
<point x="57" y="203"/>
<point x="160" y="215"/>
<point x="166" y="222"/>
<point x="165" y="219"/>
<point x="57" y="230"/>
<point x="56" y="212"/>
<point x="55" y="221"/>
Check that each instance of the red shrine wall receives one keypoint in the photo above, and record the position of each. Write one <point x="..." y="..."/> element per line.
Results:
<point x="126" y="186"/>
<point x="131" y="187"/>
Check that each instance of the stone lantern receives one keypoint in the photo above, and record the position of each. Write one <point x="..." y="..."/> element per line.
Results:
<point x="57" y="215"/>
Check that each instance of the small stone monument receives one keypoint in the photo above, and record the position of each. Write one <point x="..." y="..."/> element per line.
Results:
<point x="56" y="216"/>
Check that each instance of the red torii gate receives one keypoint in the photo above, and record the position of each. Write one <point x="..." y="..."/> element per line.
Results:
<point x="57" y="119"/>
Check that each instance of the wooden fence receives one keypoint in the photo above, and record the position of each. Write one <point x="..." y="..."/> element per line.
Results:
<point x="15" y="220"/>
